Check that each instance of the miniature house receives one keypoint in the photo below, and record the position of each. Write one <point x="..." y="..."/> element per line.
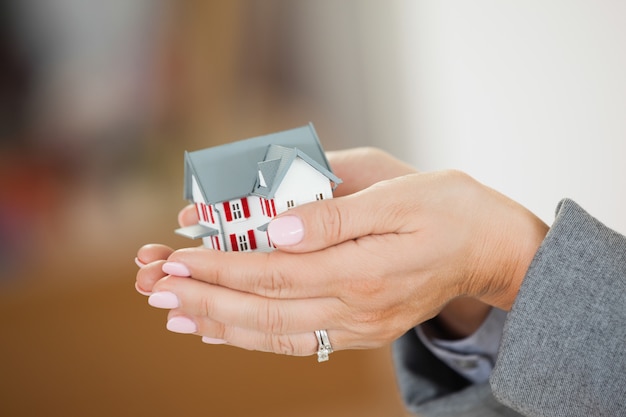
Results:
<point x="239" y="187"/>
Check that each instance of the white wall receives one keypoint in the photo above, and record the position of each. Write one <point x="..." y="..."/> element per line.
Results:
<point x="528" y="96"/>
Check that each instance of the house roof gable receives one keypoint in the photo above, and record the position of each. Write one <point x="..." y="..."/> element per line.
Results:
<point x="230" y="171"/>
<point x="277" y="163"/>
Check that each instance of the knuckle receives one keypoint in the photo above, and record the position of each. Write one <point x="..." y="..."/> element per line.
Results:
<point x="366" y="318"/>
<point x="283" y="344"/>
<point x="272" y="281"/>
<point x="206" y="305"/>
<point x="332" y="222"/>
<point x="271" y="318"/>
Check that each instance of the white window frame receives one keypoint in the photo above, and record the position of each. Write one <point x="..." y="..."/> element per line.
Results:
<point x="243" y="243"/>
<point x="236" y="211"/>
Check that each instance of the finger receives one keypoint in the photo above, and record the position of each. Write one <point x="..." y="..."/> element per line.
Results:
<point x="148" y="275"/>
<point x="244" y="310"/>
<point x="188" y="216"/>
<point x="274" y="274"/>
<point x="362" y="167"/>
<point x="152" y="252"/>
<point x="382" y="208"/>
<point x="214" y="332"/>
<point x="297" y="344"/>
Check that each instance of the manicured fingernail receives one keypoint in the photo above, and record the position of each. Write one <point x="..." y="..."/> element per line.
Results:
<point x="139" y="263"/>
<point x="140" y="291"/>
<point x="176" y="268"/>
<point x="163" y="299"/>
<point x="213" y="341"/>
<point x="286" y="230"/>
<point x="181" y="325"/>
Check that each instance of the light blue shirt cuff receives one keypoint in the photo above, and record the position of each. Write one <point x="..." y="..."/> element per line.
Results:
<point x="474" y="356"/>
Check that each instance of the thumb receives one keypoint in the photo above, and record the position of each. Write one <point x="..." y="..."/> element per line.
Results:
<point x="326" y="223"/>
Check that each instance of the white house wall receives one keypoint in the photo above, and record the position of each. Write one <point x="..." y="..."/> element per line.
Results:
<point x="301" y="184"/>
<point x="240" y="227"/>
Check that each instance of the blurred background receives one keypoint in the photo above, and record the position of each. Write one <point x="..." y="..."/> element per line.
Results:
<point x="99" y="100"/>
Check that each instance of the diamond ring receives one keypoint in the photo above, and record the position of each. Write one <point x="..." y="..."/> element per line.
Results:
<point x="324" y="348"/>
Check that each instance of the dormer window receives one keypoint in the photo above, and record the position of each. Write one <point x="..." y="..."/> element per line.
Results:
<point x="290" y="204"/>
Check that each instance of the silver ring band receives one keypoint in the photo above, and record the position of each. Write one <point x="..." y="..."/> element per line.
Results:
<point x="324" y="347"/>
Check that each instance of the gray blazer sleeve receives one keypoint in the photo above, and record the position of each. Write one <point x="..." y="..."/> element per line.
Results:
<point x="563" y="350"/>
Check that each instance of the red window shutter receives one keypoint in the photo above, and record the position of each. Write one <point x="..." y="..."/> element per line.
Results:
<point x="211" y="213"/>
<point x="252" y="239"/>
<point x="273" y="207"/>
<point x="244" y="206"/>
<point x="229" y="215"/>
<point x="262" y="206"/>
<point x="267" y="207"/>
<point x="198" y="211"/>
<point x="233" y="242"/>
<point x="204" y="215"/>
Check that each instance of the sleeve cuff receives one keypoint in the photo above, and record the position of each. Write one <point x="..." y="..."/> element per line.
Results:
<point x="474" y="356"/>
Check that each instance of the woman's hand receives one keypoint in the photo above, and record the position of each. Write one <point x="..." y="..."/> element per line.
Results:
<point x="366" y="266"/>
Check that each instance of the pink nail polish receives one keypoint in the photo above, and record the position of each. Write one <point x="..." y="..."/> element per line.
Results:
<point x="213" y="341"/>
<point x="140" y="291"/>
<point x="286" y="230"/>
<point x="181" y="325"/>
<point x="139" y="263"/>
<point x="176" y="268"/>
<point x="163" y="299"/>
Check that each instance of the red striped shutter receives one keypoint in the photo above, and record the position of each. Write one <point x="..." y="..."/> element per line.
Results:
<point x="205" y="217"/>
<point x="267" y="207"/>
<point x="233" y="242"/>
<point x="262" y="206"/>
<point x="273" y="207"/>
<point x="252" y="239"/>
<point x="211" y="213"/>
<point x="198" y="211"/>
<point x="229" y="215"/>
<point x="244" y="206"/>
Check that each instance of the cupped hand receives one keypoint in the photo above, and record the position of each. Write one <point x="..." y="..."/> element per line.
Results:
<point x="366" y="266"/>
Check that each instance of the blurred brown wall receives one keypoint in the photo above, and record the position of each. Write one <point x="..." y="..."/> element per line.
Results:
<point x="77" y="340"/>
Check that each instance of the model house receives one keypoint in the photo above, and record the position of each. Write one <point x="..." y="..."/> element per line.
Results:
<point x="239" y="187"/>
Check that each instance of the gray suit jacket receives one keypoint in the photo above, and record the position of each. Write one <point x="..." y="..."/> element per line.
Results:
<point x="563" y="350"/>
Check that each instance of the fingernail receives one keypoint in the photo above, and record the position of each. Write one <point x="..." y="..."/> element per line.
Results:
<point x="213" y="341"/>
<point x="286" y="230"/>
<point x="163" y="299"/>
<point x="176" y="268"/>
<point x="139" y="263"/>
<point x="140" y="291"/>
<point x="181" y="325"/>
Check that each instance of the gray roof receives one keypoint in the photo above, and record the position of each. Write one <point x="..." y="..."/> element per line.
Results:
<point x="230" y="171"/>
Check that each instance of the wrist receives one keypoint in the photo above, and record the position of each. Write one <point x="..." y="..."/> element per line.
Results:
<point x="518" y="239"/>
<point x="460" y="318"/>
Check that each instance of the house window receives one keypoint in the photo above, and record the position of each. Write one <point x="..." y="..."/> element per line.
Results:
<point x="242" y="241"/>
<point x="319" y="196"/>
<point x="290" y="204"/>
<point x="236" y="211"/>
